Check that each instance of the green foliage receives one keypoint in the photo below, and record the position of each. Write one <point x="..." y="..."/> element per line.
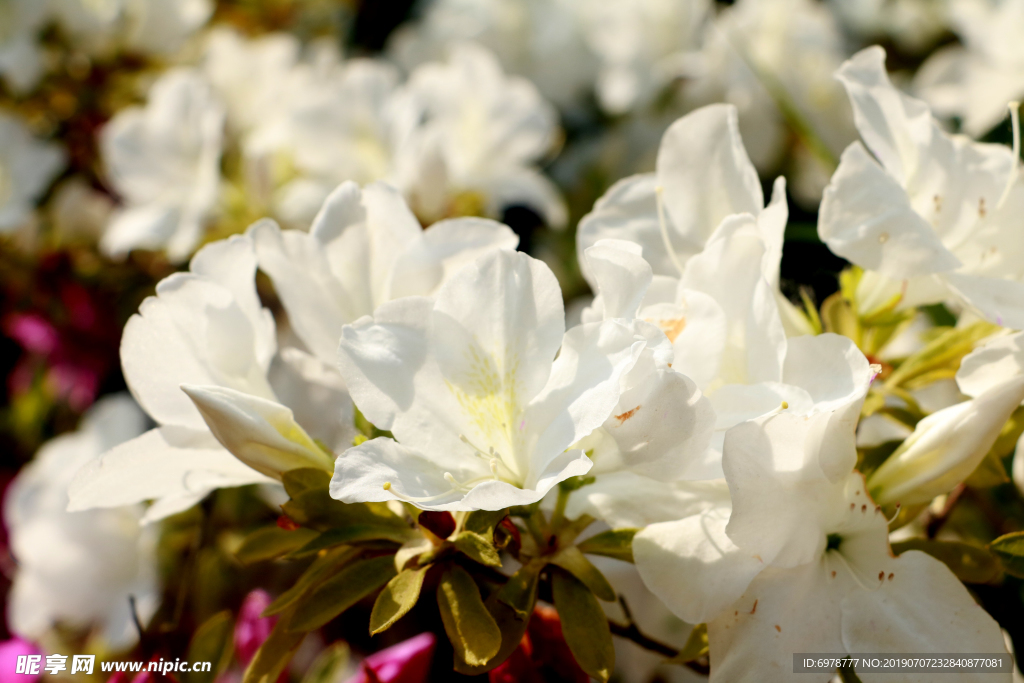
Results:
<point x="696" y="645"/>
<point x="616" y="543"/>
<point x="478" y="548"/>
<point x="212" y="642"/>
<point x="322" y="567"/>
<point x="940" y="358"/>
<point x="1010" y="551"/>
<point x="472" y="630"/>
<point x="270" y="542"/>
<point x="329" y="664"/>
<point x="398" y="597"/>
<point x="573" y="561"/>
<point x="970" y="563"/>
<point x="274" y="654"/>
<point x="335" y="595"/>
<point x="584" y="625"/>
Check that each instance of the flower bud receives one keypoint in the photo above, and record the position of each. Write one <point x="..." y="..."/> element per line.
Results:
<point x="945" y="447"/>
<point x="262" y="434"/>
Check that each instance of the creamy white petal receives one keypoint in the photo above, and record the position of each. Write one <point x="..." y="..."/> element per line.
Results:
<point x="1001" y="301"/>
<point x="866" y="217"/>
<point x="920" y="607"/>
<point x="621" y="276"/>
<point x="693" y="566"/>
<point x="261" y="433"/>
<point x="991" y="364"/>
<point x="624" y="499"/>
<point x="164" y="464"/>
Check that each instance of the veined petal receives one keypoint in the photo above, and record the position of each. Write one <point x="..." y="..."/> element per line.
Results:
<point x="867" y="217"/>
<point x="692" y="566"/>
<point x="999" y="359"/>
<point x="781" y="497"/>
<point x="782" y="611"/>
<point x="261" y="433"/>
<point x="173" y="466"/>
<point x="706" y="173"/>
<point x="621" y="276"/>
<point x="584" y="385"/>
<point x="920" y="607"/>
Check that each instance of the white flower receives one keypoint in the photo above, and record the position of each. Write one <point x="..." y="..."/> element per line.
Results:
<point x="801" y="562"/>
<point x="164" y="162"/>
<point x="365" y="248"/>
<point x="79" y="568"/>
<point x="21" y="63"/>
<point x="203" y="328"/>
<point x="542" y="40"/>
<point x="643" y="45"/>
<point x="935" y="215"/>
<point x="481" y="132"/>
<point x="483" y="413"/>
<point x="914" y="25"/>
<point x="158" y="27"/>
<point x="764" y="56"/>
<point x="976" y="80"/>
<point x="27" y="167"/>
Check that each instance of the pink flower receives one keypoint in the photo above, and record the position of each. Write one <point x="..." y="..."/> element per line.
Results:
<point x="251" y="629"/>
<point x="10" y="650"/>
<point x="33" y="332"/>
<point x="407" y="662"/>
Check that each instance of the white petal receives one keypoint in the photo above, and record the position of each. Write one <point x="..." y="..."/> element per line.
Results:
<point x="921" y="608"/>
<point x="166" y="464"/>
<point x="621" y="276"/>
<point x="317" y="394"/>
<point x="661" y="423"/>
<point x="730" y="270"/>
<point x="697" y="327"/>
<point x="584" y="385"/>
<point x="625" y="499"/>
<point x="783" y="611"/>
<point x="991" y="364"/>
<point x="692" y="566"/>
<point x="1000" y="301"/>
<point x="261" y="433"/>
<point x="772" y="224"/>
<point x="446" y="247"/>
<point x="867" y="217"/>
<point x="946" y="447"/>
<point x="706" y="172"/>
<point x="779" y="492"/>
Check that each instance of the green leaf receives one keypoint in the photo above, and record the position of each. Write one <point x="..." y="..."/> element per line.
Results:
<point x="520" y="591"/>
<point x="397" y="598"/>
<point x="478" y="548"/>
<point x="212" y="642"/>
<point x="989" y="472"/>
<point x="269" y="542"/>
<point x="470" y="627"/>
<point x="970" y="563"/>
<point x="617" y="543"/>
<point x="484" y="521"/>
<point x="274" y="654"/>
<point x="584" y="625"/>
<point x="299" y="481"/>
<point x="696" y="646"/>
<point x="942" y="353"/>
<point x="355" y="533"/>
<point x="317" y="572"/>
<point x="341" y="591"/>
<point x="572" y="560"/>
<point x="329" y="664"/>
<point x="1010" y="551"/>
<point x="315" y="508"/>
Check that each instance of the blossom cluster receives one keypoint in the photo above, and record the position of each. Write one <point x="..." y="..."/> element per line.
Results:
<point x="357" y="377"/>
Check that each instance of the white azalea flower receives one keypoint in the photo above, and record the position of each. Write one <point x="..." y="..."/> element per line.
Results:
<point x="157" y="27"/>
<point x="27" y="167"/>
<point x="365" y="248"/>
<point x="483" y="413"/>
<point x="164" y="162"/>
<point x="21" y="59"/>
<point x="935" y="216"/>
<point x="914" y="25"/>
<point x="204" y="328"/>
<point x="801" y="562"/>
<point x="481" y="132"/>
<point x="764" y="55"/>
<point x="79" y="568"/>
<point x="975" y="80"/>
<point x="528" y="36"/>
<point x="643" y="45"/>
